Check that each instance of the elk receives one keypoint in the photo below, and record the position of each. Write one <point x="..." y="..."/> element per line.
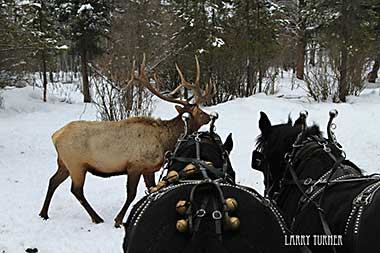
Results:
<point x="135" y="146"/>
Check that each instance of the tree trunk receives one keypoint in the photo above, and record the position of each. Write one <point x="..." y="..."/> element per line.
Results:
<point x="312" y="55"/>
<point x="343" y="85"/>
<point x="248" y="57"/>
<point x="261" y="75"/>
<point x="301" y="51"/>
<point x="86" y="86"/>
<point x="258" y="24"/>
<point x="44" y="75"/>
<point x="301" y="45"/>
<point x="373" y="74"/>
<point x="249" y="77"/>
<point x="51" y="76"/>
<point x="343" y="75"/>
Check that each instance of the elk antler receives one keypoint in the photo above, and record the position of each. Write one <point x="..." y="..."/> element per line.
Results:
<point x="196" y="89"/>
<point x="145" y="82"/>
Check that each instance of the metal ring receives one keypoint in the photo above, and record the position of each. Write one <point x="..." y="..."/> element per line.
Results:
<point x="310" y="190"/>
<point x="326" y="149"/>
<point x="308" y="181"/>
<point x="216" y="215"/>
<point x="200" y="213"/>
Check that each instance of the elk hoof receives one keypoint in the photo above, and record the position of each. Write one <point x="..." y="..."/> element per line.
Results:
<point x="117" y="224"/>
<point x="97" y="220"/>
<point x="44" y="216"/>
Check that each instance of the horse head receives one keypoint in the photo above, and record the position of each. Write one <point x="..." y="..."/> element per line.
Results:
<point x="210" y="149"/>
<point x="274" y="142"/>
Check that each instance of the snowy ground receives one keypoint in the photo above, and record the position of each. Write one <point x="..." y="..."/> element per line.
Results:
<point x="28" y="159"/>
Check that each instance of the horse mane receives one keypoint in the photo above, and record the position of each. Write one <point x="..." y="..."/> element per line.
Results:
<point x="260" y="140"/>
<point x="313" y="130"/>
<point x="309" y="131"/>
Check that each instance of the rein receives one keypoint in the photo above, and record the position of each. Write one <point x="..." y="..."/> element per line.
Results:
<point x="294" y="155"/>
<point x="296" y="159"/>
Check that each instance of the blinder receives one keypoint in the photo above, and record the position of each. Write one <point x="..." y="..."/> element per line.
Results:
<point x="257" y="162"/>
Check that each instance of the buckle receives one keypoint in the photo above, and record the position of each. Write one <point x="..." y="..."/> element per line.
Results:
<point x="363" y="198"/>
<point x="216" y="215"/>
<point x="307" y="181"/>
<point x="200" y="213"/>
<point x="310" y="190"/>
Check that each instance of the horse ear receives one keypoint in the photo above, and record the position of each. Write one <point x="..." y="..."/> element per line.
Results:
<point x="264" y="123"/>
<point x="289" y="120"/>
<point x="229" y="144"/>
<point x="298" y="121"/>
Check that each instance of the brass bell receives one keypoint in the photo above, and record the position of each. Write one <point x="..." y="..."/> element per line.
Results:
<point x="182" y="225"/>
<point x="209" y="163"/>
<point x="233" y="223"/>
<point x="161" y="184"/>
<point x="172" y="176"/>
<point x="231" y="204"/>
<point x="181" y="207"/>
<point x="153" y="189"/>
<point x="190" y="169"/>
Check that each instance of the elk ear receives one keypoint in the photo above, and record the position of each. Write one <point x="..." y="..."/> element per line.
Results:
<point x="179" y="109"/>
<point x="264" y="123"/>
<point x="229" y="144"/>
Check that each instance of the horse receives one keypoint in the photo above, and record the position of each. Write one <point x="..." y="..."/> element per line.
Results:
<point x="320" y="192"/>
<point x="201" y="209"/>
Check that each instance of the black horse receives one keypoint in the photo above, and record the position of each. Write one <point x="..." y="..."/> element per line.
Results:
<point x="319" y="191"/>
<point x="207" y="221"/>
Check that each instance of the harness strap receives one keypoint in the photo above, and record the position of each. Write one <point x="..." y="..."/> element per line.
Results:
<point x="218" y="219"/>
<point x="217" y="215"/>
<point x="321" y="212"/>
<point x="359" y="204"/>
<point x="199" y="214"/>
<point x="354" y="178"/>
<point x="200" y="164"/>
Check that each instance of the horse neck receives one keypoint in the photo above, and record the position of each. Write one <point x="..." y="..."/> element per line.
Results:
<point x="310" y="167"/>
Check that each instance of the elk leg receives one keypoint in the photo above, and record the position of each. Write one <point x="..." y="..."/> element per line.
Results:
<point x="77" y="190"/>
<point x="132" y="182"/>
<point x="60" y="175"/>
<point x="149" y="180"/>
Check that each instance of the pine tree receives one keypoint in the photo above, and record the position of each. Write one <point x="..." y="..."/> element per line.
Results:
<point x="39" y="22"/>
<point x="345" y="31"/>
<point x="85" y="23"/>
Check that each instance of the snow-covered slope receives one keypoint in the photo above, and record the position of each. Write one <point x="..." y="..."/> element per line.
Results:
<point x="28" y="159"/>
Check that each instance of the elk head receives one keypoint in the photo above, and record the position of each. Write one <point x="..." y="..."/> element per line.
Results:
<point x="198" y="116"/>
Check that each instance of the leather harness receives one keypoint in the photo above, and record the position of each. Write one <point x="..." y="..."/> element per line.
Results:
<point x="312" y="188"/>
<point x="220" y="210"/>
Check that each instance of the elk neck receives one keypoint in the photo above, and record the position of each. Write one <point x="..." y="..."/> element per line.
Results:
<point x="172" y="131"/>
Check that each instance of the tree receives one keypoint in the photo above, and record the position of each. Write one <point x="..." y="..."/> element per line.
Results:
<point x="85" y="24"/>
<point x="38" y="20"/>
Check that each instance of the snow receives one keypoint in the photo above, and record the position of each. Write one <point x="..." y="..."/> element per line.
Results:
<point x="28" y="160"/>
<point x="218" y="42"/>
<point x="63" y="47"/>
<point x="85" y="7"/>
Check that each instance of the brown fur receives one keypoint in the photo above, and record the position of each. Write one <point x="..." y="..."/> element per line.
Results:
<point x="135" y="146"/>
